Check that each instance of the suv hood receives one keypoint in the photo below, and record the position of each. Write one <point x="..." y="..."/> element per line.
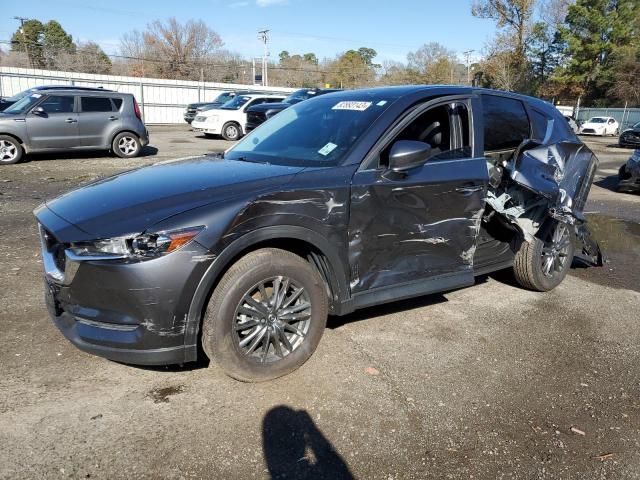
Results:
<point x="134" y="201"/>
<point x="203" y="104"/>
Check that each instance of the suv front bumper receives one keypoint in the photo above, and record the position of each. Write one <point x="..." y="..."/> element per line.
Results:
<point x="126" y="310"/>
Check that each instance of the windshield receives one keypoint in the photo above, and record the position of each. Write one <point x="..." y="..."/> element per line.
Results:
<point x="24" y="104"/>
<point x="598" y="120"/>
<point x="637" y="125"/>
<point x="299" y="96"/>
<point x="20" y="95"/>
<point x="317" y="133"/>
<point x="236" y="103"/>
<point x="223" y="98"/>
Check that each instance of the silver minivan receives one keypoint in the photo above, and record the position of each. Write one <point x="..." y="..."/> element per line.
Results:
<point x="60" y="120"/>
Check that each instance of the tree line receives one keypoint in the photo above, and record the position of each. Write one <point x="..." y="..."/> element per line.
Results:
<point x="555" y="49"/>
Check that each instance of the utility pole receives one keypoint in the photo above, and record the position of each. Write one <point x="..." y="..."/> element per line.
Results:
<point x="263" y="36"/>
<point x="24" y="42"/>
<point x="467" y="55"/>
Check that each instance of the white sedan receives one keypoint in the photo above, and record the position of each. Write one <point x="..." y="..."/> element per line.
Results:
<point x="229" y="119"/>
<point x="600" y="126"/>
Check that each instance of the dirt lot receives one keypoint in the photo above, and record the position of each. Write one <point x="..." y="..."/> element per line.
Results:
<point x="486" y="382"/>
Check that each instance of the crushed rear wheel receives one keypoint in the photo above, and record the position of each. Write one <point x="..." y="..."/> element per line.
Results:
<point x="542" y="264"/>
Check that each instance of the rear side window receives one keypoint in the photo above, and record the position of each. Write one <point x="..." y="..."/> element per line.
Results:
<point x="95" y="104"/>
<point x="539" y="124"/>
<point x="117" y="102"/>
<point x="506" y="123"/>
<point x="58" y="104"/>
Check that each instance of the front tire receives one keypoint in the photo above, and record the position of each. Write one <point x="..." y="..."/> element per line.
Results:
<point x="10" y="150"/>
<point x="266" y="316"/>
<point x="542" y="264"/>
<point x="231" y="131"/>
<point x="126" y="145"/>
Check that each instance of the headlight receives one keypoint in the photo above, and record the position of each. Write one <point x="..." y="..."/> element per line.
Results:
<point x="147" y="246"/>
<point x="212" y="119"/>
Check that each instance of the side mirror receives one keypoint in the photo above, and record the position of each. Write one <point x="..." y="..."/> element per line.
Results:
<point x="406" y="154"/>
<point x="38" y="111"/>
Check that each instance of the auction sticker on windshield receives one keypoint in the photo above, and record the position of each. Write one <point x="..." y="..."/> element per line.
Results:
<point x="327" y="149"/>
<point x="358" y="106"/>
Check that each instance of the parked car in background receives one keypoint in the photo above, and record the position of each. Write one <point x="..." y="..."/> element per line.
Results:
<point x="630" y="137"/>
<point x="600" y="126"/>
<point x="338" y="203"/>
<point x="70" y="119"/>
<point x="629" y="174"/>
<point x="229" y="120"/>
<point x="8" y="101"/>
<point x="224" y="97"/>
<point x="258" y="114"/>
<point x="573" y="124"/>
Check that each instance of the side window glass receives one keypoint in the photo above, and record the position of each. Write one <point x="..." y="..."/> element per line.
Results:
<point x="506" y="124"/>
<point x="436" y="126"/>
<point x="58" y="104"/>
<point x="539" y="125"/>
<point x="117" y="102"/>
<point x="95" y="104"/>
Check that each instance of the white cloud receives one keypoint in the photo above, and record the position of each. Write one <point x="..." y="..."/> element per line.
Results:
<point x="268" y="3"/>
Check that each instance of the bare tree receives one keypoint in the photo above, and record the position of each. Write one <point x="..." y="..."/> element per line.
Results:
<point x="171" y="49"/>
<point x="434" y="63"/>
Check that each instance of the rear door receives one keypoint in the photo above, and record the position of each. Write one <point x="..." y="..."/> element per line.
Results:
<point x="421" y="223"/>
<point x="95" y="119"/>
<point x="56" y="127"/>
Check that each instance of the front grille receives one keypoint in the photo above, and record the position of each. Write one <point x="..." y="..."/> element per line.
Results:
<point x="256" y="117"/>
<point x="588" y="130"/>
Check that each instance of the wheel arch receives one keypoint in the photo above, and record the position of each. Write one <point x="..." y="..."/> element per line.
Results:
<point x="302" y="241"/>
<point x="118" y="132"/>
<point x="13" y="135"/>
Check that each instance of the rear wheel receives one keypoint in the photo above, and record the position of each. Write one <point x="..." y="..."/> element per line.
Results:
<point x="266" y="316"/>
<point x="542" y="264"/>
<point x="231" y="131"/>
<point x="10" y="150"/>
<point x="126" y="145"/>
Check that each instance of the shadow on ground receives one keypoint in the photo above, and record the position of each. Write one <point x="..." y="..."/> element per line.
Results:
<point x="294" y="447"/>
<point x="148" y="151"/>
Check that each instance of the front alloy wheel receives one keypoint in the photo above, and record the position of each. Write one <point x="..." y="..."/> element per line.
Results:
<point x="10" y="150"/>
<point x="266" y="316"/>
<point x="272" y="319"/>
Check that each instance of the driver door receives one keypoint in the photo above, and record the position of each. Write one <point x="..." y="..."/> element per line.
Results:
<point x="422" y="223"/>
<point x="56" y="126"/>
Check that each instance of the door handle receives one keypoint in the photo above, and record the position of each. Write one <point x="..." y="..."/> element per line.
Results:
<point x="71" y="120"/>
<point x="112" y="118"/>
<point x="470" y="190"/>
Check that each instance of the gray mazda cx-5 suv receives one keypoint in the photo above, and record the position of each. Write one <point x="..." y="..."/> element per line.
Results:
<point x="57" y="120"/>
<point x="340" y="202"/>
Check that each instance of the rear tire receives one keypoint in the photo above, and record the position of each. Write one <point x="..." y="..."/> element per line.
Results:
<point x="246" y="318"/>
<point x="10" y="150"/>
<point x="126" y="145"/>
<point x="542" y="264"/>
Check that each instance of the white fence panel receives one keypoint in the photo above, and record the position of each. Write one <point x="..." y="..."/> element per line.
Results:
<point x="161" y="101"/>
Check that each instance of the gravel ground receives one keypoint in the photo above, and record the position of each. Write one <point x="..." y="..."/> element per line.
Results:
<point x="490" y="381"/>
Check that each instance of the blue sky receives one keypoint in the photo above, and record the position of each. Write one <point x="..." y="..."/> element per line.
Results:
<point x="324" y="27"/>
